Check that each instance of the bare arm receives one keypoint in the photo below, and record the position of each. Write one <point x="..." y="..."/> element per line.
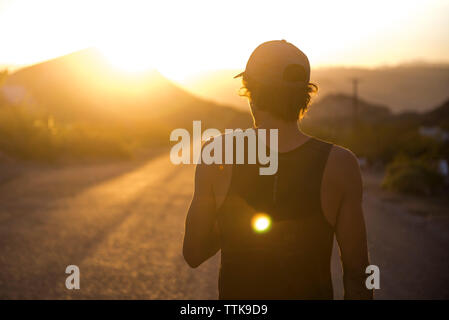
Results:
<point x="201" y="240"/>
<point x="350" y="228"/>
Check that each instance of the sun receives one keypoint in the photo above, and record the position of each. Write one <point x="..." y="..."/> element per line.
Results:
<point x="128" y="57"/>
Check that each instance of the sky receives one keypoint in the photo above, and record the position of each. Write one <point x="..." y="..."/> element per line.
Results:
<point x="181" y="38"/>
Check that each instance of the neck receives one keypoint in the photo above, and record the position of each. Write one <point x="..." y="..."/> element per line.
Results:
<point x="289" y="134"/>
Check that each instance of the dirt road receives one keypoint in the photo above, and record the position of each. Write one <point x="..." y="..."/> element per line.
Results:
<point x="122" y="224"/>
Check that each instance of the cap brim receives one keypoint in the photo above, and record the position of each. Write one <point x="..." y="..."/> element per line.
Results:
<point x="239" y="75"/>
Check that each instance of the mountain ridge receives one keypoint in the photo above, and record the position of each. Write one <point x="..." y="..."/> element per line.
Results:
<point x="83" y="85"/>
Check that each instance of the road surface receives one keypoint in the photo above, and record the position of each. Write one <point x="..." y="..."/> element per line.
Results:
<point x="122" y="225"/>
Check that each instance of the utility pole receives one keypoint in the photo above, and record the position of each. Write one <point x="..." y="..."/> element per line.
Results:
<point x="355" y="101"/>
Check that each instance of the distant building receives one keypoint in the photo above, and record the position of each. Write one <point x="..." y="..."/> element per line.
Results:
<point x="434" y="132"/>
<point x="363" y="162"/>
<point x="13" y="94"/>
<point x="443" y="168"/>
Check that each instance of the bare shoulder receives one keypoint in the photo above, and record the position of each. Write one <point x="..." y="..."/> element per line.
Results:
<point x="343" y="158"/>
<point x="213" y="170"/>
<point x="342" y="168"/>
<point x="207" y="169"/>
<point x="216" y="176"/>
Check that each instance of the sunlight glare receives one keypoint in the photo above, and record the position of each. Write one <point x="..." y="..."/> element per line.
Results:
<point x="261" y="222"/>
<point x="182" y="39"/>
<point x="129" y="58"/>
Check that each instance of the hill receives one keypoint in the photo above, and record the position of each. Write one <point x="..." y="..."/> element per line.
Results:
<point x="438" y="116"/>
<point x="83" y="85"/>
<point x="340" y="108"/>
<point x="79" y="105"/>
<point x="412" y="87"/>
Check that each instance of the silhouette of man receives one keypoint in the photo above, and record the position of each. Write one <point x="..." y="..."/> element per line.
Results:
<point x="276" y="232"/>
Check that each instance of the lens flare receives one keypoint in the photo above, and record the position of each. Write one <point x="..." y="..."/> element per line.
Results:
<point x="261" y="222"/>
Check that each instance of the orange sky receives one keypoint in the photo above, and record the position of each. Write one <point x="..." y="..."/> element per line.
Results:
<point x="182" y="38"/>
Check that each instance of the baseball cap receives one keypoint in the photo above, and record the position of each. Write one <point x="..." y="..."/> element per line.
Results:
<point x="278" y="63"/>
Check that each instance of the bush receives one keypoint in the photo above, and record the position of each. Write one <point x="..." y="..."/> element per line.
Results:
<point x="415" y="176"/>
<point x="32" y="136"/>
<point x="379" y="142"/>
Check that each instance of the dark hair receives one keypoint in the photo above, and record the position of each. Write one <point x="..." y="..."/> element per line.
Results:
<point x="285" y="103"/>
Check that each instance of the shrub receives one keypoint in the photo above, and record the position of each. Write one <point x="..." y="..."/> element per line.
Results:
<point x="32" y="136"/>
<point x="415" y="176"/>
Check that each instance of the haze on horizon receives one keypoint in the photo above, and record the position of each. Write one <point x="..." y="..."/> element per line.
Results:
<point x="181" y="39"/>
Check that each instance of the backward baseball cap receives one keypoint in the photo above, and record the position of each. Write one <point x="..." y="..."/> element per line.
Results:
<point x="277" y="63"/>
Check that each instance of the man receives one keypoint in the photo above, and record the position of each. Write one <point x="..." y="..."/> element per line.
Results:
<point x="276" y="231"/>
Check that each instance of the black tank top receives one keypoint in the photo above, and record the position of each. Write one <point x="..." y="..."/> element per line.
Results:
<point x="291" y="260"/>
